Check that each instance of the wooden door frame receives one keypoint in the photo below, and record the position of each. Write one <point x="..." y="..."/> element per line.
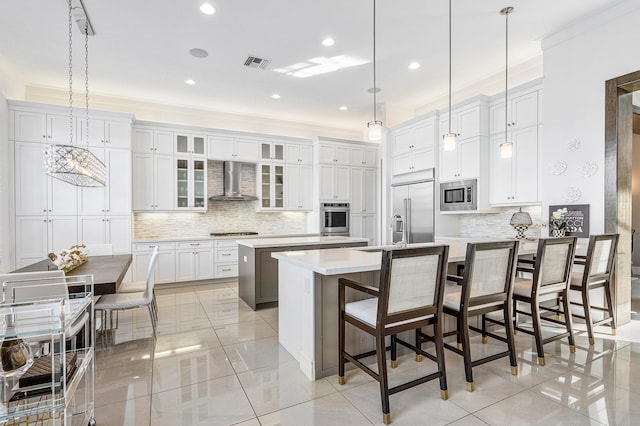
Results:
<point x="617" y="193"/>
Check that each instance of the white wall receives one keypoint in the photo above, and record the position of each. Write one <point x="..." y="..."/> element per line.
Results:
<point x="635" y="193"/>
<point x="4" y="178"/>
<point x="577" y="62"/>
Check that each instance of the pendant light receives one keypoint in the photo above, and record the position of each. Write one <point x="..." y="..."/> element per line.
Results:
<point x="375" y="126"/>
<point x="506" y="148"/>
<point x="449" y="139"/>
<point x="71" y="163"/>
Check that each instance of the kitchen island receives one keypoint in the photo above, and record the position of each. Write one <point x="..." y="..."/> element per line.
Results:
<point x="308" y="305"/>
<point x="258" y="271"/>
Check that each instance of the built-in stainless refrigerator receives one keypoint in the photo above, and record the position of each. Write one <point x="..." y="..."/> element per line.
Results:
<point x="413" y="211"/>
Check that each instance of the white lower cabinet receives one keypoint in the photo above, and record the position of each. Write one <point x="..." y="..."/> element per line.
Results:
<point x="37" y="236"/>
<point x="165" y="267"/>
<point x="226" y="258"/>
<point x="194" y="260"/>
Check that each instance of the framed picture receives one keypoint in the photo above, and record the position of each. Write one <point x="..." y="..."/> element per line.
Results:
<point x="577" y="219"/>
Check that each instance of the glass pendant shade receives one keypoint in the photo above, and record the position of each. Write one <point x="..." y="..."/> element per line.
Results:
<point x="449" y="142"/>
<point x="375" y="130"/>
<point x="506" y="150"/>
<point x="75" y="165"/>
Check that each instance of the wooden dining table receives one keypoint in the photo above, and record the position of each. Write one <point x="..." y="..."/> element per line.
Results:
<point x="108" y="272"/>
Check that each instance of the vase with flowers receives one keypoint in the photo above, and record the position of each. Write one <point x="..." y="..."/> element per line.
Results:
<point x="558" y="222"/>
<point x="70" y="259"/>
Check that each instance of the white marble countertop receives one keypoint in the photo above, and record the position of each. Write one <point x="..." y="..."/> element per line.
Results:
<point x="332" y="261"/>
<point x="361" y="259"/>
<point x="231" y="237"/>
<point x="298" y="241"/>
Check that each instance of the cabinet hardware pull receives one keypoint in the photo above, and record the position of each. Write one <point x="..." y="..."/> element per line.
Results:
<point x="44" y="136"/>
<point x="44" y="211"/>
<point x="152" y="246"/>
<point x="226" y="254"/>
<point x="195" y="244"/>
<point x="226" y="269"/>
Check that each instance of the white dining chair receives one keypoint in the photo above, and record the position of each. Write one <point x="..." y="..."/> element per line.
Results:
<point x="140" y="286"/>
<point x="124" y="301"/>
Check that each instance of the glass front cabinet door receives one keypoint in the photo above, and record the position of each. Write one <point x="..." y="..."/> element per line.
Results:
<point x="272" y="186"/>
<point x="191" y="184"/>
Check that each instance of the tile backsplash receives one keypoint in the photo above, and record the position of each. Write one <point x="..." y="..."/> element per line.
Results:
<point x="483" y="225"/>
<point x="221" y="216"/>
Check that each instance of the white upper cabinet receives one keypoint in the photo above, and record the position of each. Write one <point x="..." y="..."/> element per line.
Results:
<point x="41" y="127"/>
<point x="514" y="180"/>
<point x="334" y="183"/>
<point x="335" y="154"/>
<point x="463" y="162"/>
<point x="363" y="157"/>
<point x="150" y="140"/>
<point x="522" y="111"/>
<point x="35" y="192"/>
<point x="227" y="148"/>
<point x="413" y="147"/>
<point x="298" y="187"/>
<point x="298" y="153"/>
<point x="271" y="151"/>
<point x="107" y="133"/>
<point x="192" y="145"/>
<point x="467" y="121"/>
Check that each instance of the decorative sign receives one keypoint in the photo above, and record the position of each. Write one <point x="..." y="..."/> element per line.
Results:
<point x="577" y="219"/>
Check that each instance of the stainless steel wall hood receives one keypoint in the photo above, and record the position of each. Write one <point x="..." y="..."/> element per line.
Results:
<point x="232" y="172"/>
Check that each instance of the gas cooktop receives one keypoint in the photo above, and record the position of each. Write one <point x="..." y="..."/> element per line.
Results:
<point x="231" y="234"/>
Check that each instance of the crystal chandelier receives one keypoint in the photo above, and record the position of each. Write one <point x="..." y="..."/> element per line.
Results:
<point x="71" y="163"/>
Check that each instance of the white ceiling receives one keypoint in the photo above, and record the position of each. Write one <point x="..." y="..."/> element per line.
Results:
<point x="141" y="50"/>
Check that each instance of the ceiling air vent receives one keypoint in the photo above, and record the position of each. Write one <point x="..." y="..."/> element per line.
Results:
<point x="258" y="63"/>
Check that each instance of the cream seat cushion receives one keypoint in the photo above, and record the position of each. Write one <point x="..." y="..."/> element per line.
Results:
<point x="452" y="295"/>
<point x="522" y="286"/>
<point x="367" y="310"/>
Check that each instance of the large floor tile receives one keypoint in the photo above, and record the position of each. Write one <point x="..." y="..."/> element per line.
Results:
<point x="329" y="410"/>
<point x="117" y="384"/>
<point x="181" y="318"/>
<point x="244" y="332"/>
<point x="209" y="298"/>
<point x="189" y="365"/>
<point x="222" y="314"/>
<point x="181" y="298"/>
<point x="257" y="354"/>
<point x="201" y="337"/>
<point x="108" y="356"/>
<point x="213" y="402"/>
<point x="529" y="408"/>
<point x="412" y="406"/>
<point x="125" y="413"/>
<point x="274" y="388"/>
<point x="593" y="396"/>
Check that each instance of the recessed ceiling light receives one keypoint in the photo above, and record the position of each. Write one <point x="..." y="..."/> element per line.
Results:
<point x="275" y="96"/>
<point x="414" y="66"/>
<point x="198" y="53"/>
<point x="207" y="9"/>
<point x="190" y="82"/>
<point x="343" y="108"/>
<point x="328" y="42"/>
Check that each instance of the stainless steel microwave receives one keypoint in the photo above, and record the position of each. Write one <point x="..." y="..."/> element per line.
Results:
<point x="459" y="195"/>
